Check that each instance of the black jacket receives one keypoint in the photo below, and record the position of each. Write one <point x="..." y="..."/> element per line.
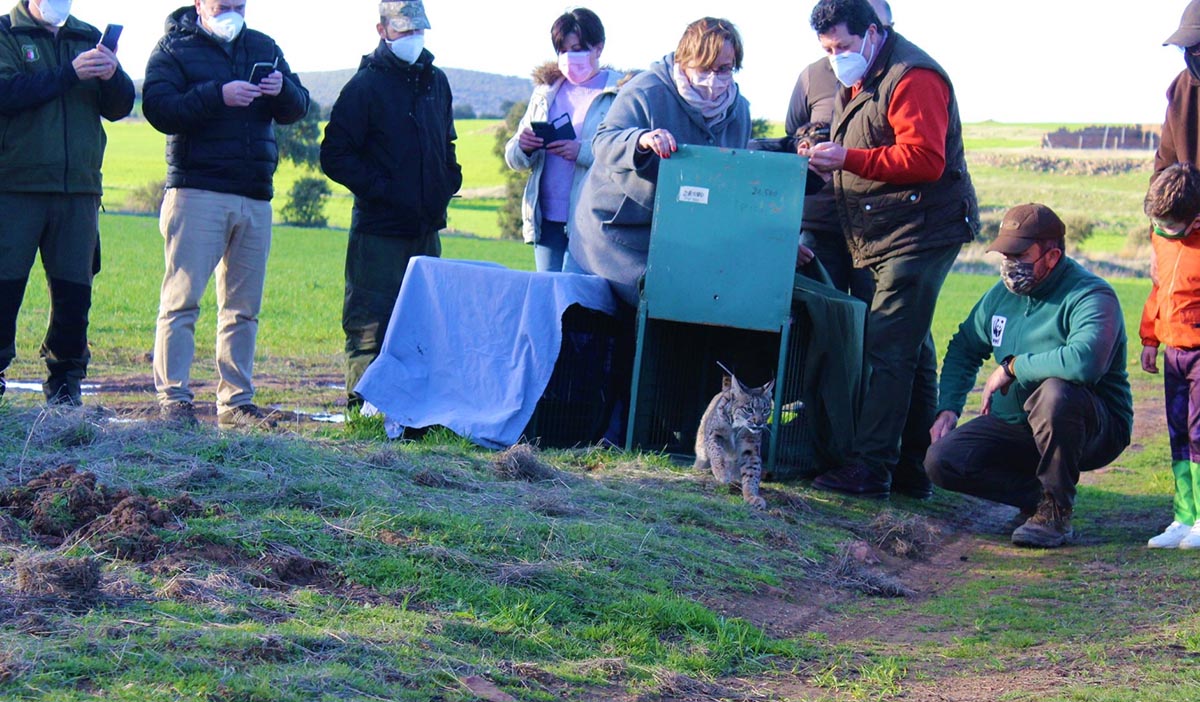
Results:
<point x="211" y="146"/>
<point x="390" y="140"/>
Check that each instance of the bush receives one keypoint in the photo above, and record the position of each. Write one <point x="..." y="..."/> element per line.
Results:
<point x="509" y="214"/>
<point x="148" y="198"/>
<point x="306" y="202"/>
<point x="1079" y="228"/>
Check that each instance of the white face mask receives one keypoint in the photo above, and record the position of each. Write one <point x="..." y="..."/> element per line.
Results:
<point x="850" y="66"/>
<point x="577" y="66"/>
<point x="226" y="26"/>
<point x="408" y="49"/>
<point x="710" y="85"/>
<point x="54" y="12"/>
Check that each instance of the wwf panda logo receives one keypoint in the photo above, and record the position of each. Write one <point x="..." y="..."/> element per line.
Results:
<point x="998" y="325"/>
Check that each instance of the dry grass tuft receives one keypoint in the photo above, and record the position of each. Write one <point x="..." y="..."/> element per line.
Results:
<point x="47" y="574"/>
<point x="682" y="686"/>
<point x="906" y="536"/>
<point x="850" y="573"/>
<point x="607" y="668"/>
<point x="554" y="506"/>
<point x="521" y="462"/>
<point x="10" y="531"/>
<point x="522" y="574"/>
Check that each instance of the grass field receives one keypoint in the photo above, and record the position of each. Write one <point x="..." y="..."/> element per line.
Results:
<point x="1113" y="202"/>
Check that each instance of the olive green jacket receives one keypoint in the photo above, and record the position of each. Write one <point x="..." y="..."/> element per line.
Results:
<point x="51" y="140"/>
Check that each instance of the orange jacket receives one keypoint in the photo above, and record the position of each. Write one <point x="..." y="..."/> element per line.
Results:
<point x="1171" y="315"/>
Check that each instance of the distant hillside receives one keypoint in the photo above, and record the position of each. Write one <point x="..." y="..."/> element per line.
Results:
<point x="487" y="94"/>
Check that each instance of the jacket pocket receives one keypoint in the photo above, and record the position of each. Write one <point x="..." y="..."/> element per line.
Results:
<point x="629" y="226"/>
<point x="891" y="214"/>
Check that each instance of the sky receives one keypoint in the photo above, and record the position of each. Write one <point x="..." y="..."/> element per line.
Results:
<point x="1079" y="61"/>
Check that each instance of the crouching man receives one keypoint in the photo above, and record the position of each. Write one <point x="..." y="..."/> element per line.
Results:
<point x="1058" y="401"/>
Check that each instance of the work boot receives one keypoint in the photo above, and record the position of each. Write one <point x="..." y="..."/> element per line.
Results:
<point x="911" y="481"/>
<point x="180" y="412"/>
<point x="62" y="392"/>
<point x="854" y="480"/>
<point x="248" y="416"/>
<point x="1049" y="527"/>
<point x="1019" y="518"/>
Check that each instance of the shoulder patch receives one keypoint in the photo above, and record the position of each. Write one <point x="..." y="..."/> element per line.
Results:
<point x="998" y="325"/>
<point x="30" y="53"/>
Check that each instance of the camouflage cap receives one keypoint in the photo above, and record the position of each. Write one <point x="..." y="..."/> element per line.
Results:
<point x="404" y="15"/>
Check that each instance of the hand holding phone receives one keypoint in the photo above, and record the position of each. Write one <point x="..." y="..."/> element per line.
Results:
<point x="558" y="130"/>
<point x="112" y="33"/>
<point x="261" y="70"/>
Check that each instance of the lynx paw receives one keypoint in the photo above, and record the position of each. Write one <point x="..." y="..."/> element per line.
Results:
<point x="756" y="501"/>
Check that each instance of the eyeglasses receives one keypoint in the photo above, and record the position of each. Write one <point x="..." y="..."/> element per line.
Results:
<point x="1173" y="230"/>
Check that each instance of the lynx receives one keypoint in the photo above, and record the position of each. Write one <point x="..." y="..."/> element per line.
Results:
<point x="729" y="440"/>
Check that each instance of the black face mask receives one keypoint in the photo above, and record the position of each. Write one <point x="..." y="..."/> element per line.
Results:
<point x="1193" y="64"/>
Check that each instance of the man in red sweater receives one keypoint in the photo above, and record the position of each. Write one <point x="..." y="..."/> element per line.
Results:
<point x="906" y="205"/>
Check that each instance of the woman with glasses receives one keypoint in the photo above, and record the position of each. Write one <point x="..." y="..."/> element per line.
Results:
<point x="689" y="97"/>
<point x="574" y="94"/>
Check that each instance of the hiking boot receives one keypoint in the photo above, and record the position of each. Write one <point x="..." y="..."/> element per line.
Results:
<point x="179" y="412"/>
<point x="248" y="415"/>
<point x="1170" y="537"/>
<point x="1022" y="516"/>
<point x="1192" y="540"/>
<point x="857" y="481"/>
<point x="911" y="481"/>
<point x="1049" y="527"/>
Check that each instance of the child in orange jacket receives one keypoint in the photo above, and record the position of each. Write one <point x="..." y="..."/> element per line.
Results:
<point x="1171" y="318"/>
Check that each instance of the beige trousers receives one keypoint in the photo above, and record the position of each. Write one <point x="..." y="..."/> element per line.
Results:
<point x="205" y="231"/>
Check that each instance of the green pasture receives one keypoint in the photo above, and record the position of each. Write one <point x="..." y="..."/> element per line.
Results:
<point x="1113" y="202"/>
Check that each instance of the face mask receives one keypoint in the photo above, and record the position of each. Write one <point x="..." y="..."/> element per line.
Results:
<point x="1176" y="232"/>
<point x="55" y="12"/>
<point x="850" y="66"/>
<point x="1019" y="276"/>
<point x="408" y="49"/>
<point x="710" y="85"/>
<point x="226" y="26"/>
<point x="1193" y="64"/>
<point x="577" y="66"/>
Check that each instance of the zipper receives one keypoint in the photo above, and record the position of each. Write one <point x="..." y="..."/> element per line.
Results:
<point x="62" y="104"/>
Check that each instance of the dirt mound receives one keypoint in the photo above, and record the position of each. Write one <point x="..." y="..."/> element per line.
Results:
<point x="128" y="530"/>
<point x="521" y="462"/>
<point x="59" y="501"/>
<point x="65" y="503"/>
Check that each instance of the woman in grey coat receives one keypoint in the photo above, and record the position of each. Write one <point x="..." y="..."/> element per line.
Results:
<point x="687" y="98"/>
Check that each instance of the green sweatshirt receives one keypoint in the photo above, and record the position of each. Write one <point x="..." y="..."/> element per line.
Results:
<point x="51" y="140"/>
<point x="1070" y="326"/>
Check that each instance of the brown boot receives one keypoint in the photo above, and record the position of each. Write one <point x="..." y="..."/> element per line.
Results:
<point x="1049" y="527"/>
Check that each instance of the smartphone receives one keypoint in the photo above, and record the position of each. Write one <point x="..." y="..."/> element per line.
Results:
<point x="261" y="70"/>
<point x="111" y="34"/>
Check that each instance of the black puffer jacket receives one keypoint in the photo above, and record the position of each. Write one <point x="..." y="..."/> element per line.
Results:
<point x="390" y="140"/>
<point x="211" y="146"/>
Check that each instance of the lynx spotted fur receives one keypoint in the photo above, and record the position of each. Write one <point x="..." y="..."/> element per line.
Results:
<point x="729" y="440"/>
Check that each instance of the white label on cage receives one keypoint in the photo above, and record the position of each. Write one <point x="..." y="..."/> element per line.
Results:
<point x="690" y="193"/>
